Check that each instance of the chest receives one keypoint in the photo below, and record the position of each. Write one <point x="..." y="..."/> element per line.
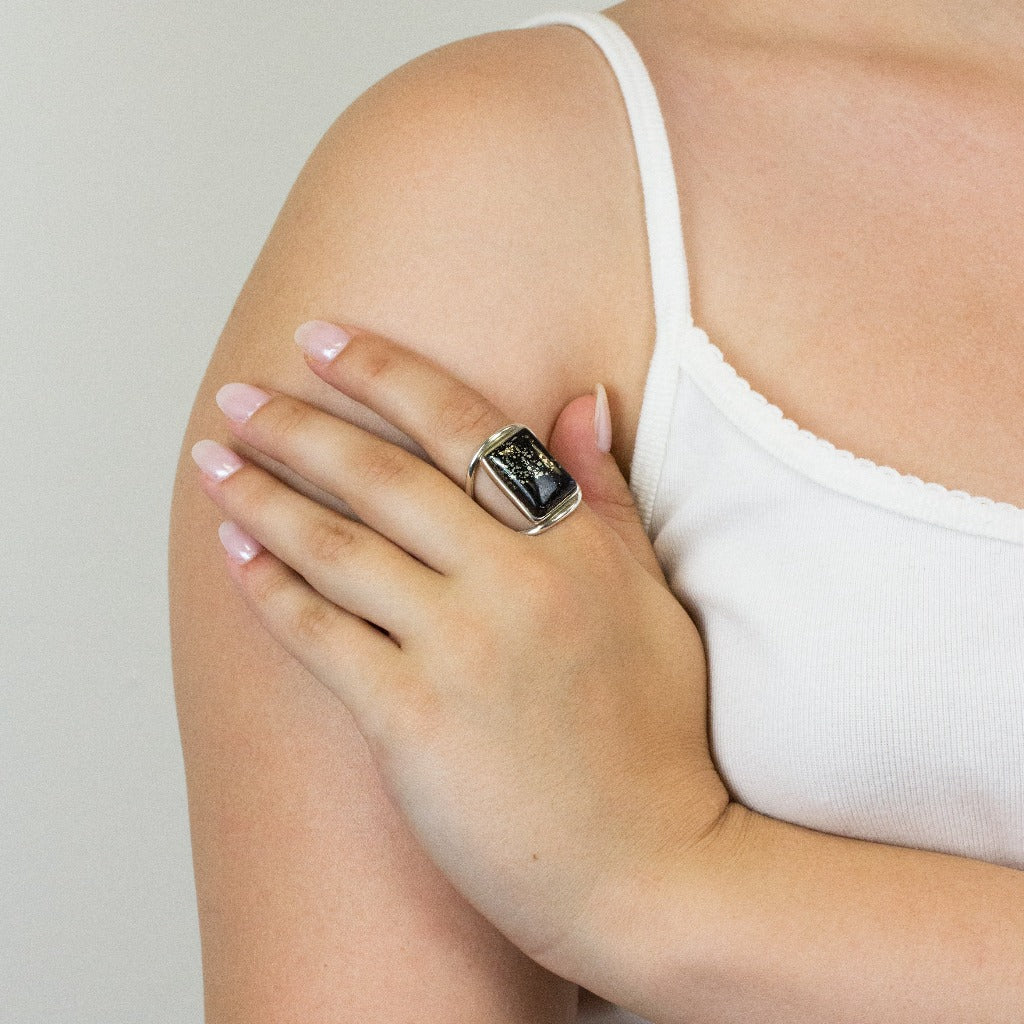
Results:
<point x="856" y="249"/>
<point x="866" y="668"/>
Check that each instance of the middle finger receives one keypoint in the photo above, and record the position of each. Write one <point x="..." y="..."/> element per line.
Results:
<point x="349" y="564"/>
<point x="391" y="490"/>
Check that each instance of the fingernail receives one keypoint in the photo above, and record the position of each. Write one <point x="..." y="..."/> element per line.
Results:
<point x="237" y="543"/>
<point x="602" y="420"/>
<point x="239" y="401"/>
<point x="320" y="339"/>
<point x="216" y="461"/>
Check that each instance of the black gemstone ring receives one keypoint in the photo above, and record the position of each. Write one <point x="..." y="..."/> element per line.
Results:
<point x="523" y="468"/>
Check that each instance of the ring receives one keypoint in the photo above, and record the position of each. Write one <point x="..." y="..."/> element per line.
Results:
<point x="517" y="461"/>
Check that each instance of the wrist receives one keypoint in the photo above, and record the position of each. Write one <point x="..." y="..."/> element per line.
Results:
<point x="658" y="932"/>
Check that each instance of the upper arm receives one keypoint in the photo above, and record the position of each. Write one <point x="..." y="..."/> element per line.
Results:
<point x="414" y="216"/>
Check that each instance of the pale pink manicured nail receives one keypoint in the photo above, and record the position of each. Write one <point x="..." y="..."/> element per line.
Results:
<point x="239" y="401"/>
<point x="602" y="420"/>
<point x="215" y="460"/>
<point x="237" y="543"/>
<point x="320" y="339"/>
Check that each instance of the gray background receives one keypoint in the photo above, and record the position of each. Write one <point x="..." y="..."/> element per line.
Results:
<point x="145" y="151"/>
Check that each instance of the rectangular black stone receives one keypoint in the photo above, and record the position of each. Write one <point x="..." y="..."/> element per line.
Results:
<point x="530" y="473"/>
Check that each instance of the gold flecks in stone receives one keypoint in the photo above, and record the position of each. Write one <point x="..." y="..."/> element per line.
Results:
<point x="519" y="459"/>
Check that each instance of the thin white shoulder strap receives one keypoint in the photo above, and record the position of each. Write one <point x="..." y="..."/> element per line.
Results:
<point x="669" y="273"/>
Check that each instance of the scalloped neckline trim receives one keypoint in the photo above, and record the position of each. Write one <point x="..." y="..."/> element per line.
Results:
<point x="833" y="467"/>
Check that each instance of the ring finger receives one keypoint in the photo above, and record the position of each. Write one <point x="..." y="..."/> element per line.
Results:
<point x="347" y="562"/>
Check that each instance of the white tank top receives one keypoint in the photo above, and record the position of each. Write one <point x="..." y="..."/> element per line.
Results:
<point x="864" y="629"/>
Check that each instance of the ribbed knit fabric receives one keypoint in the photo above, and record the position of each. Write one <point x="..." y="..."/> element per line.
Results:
<point x="864" y="629"/>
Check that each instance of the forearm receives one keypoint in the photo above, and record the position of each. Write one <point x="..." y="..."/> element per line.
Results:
<point x="776" y="923"/>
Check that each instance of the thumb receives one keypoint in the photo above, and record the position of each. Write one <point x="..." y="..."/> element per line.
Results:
<point x="573" y="442"/>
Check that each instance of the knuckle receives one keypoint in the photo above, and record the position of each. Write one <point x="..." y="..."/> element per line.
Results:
<point x="331" y="541"/>
<point x="383" y="466"/>
<point x="374" y="358"/>
<point x="464" y="413"/>
<point x="311" y="621"/>
<point x="595" y="538"/>
<point x="619" y="507"/>
<point x="269" y="589"/>
<point x="291" y="418"/>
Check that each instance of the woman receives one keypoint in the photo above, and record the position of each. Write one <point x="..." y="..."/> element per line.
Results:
<point x="521" y="810"/>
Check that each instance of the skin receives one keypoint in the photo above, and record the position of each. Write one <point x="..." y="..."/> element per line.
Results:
<point x="472" y="676"/>
<point x="903" y="345"/>
<point x="315" y="900"/>
<point x="918" y="354"/>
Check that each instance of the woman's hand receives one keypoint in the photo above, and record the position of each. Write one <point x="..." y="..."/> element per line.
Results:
<point x="536" y="705"/>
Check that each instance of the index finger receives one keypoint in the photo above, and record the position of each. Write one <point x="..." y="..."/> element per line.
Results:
<point x="445" y="416"/>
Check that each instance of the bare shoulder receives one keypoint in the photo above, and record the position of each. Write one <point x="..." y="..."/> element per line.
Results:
<point x="469" y="205"/>
<point x="478" y="204"/>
